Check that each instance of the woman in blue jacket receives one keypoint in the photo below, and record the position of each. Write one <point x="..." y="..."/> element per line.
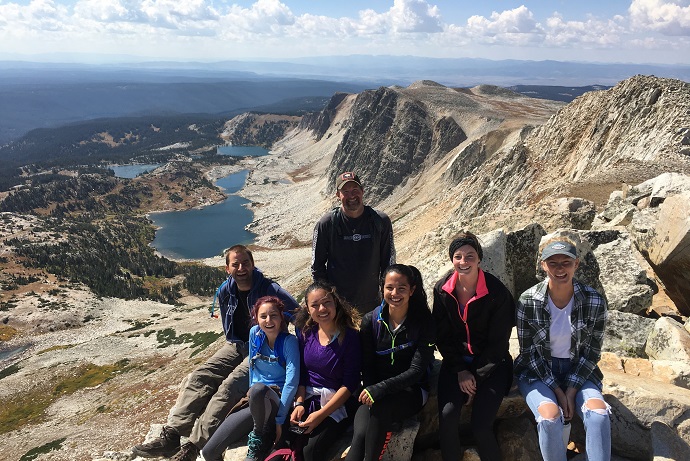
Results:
<point x="273" y="379"/>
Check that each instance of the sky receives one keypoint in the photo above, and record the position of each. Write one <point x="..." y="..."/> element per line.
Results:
<point x="632" y="31"/>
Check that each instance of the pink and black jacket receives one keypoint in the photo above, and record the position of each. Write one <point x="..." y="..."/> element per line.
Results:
<point x="476" y="337"/>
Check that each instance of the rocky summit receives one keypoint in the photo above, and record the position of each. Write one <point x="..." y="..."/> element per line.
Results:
<point x="610" y="169"/>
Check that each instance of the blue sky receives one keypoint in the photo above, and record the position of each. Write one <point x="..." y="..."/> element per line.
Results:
<point x="632" y="31"/>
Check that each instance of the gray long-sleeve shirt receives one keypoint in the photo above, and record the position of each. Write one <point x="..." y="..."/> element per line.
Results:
<point x="353" y="254"/>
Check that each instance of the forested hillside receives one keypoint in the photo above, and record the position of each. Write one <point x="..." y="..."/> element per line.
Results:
<point x="92" y="231"/>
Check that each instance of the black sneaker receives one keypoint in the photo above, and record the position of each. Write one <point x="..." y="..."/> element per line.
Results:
<point x="167" y="444"/>
<point x="188" y="452"/>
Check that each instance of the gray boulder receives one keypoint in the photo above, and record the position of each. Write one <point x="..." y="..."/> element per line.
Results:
<point x="667" y="445"/>
<point x="626" y="334"/>
<point x="523" y="246"/>
<point x="669" y="248"/>
<point x="623" y="277"/>
<point x="668" y="340"/>
<point x="636" y="402"/>
<point x="495" y="248"/>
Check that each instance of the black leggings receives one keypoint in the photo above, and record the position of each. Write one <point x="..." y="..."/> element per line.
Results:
<point x="372" y="424"/>
<point x="259" y="417"/>
<point x="487" y="400"/>
<point x="322" y="438"/>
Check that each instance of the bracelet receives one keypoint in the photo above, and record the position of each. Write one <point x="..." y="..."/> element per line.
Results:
<point x="299" y="404"/>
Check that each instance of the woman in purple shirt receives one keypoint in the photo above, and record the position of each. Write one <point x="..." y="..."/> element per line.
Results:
<point x="330" y="368"/>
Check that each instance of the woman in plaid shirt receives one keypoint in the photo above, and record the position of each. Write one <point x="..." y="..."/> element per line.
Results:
<point x="560" y="325"/>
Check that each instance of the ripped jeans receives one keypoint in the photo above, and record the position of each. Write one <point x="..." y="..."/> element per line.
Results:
<point x="597" y="422"/>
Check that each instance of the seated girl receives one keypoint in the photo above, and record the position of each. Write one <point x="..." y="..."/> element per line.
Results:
<point x="560" y="325"/>
<point x="397" y="350"/>
<point x="474" y="313"/>
<point x="273" y="380"/>
<point x="329" y="370"/>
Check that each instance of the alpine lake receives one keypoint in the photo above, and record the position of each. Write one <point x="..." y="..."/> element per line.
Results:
<point x="203" y="232"/>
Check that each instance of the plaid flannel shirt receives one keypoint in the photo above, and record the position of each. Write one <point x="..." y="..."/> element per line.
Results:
<point x="588" y="321"/>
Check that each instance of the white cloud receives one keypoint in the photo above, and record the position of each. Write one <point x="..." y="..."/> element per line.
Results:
<point x="669" y="18"/>
<point x="594" y="32"/>
<point x="107" y="11"/>
<point x="37" y="15"/>
<point x="519" y="28"/>
<point x="404" y="17"/>
<point x="414" y="16"/>
<point x="269" y="28"/>
<point x="263" y="16"/>
<point x="516" y="26"/>
<point x="182" y="15"/>
<point x="519" y="20"/>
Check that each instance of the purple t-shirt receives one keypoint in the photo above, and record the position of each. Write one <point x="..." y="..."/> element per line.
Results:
<point x="331" y="366"/>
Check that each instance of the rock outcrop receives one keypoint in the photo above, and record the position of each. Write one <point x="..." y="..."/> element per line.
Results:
<point x="258" y="129"/>
<point x="391" y="135"/>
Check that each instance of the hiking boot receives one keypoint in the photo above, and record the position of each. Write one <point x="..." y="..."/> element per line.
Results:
<point x="258" y="447"/>
<point x="188" y="452"/>
<point x="167" y="444"/>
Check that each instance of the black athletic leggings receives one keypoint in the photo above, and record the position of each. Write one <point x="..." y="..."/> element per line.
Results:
<point x="373" y="423"/>
<point x="259" y="417"/>
<point x="487" y="400"/>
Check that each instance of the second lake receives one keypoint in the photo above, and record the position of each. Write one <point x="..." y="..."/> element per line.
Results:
<point x="205" y="232"/>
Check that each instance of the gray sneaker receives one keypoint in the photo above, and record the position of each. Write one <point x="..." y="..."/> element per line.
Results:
<point x="188" y="452"/>
<point x="166" y="445"/>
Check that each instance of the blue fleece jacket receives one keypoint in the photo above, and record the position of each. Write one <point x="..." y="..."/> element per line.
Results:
<point x="261" y="286"/>
<point x="284" y="375"/>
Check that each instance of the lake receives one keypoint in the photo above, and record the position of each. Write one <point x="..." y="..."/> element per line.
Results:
<point x="205" y="232"/>
<point x="241" y="151"/>
<point x="132" y="171"/>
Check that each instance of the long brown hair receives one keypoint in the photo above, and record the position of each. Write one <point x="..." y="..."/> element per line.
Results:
<point x="345" y="316"/>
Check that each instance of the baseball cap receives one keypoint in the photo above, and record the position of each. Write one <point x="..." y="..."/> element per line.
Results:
<point x="558" y="248"/>
<point x="345" y="178"/>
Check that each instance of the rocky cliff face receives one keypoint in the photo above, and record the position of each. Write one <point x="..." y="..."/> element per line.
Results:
<point x="320" y="122"/>
<point x="642" y="123"/>
<point x="389" y="136"/>
<point x="258" y="129"/>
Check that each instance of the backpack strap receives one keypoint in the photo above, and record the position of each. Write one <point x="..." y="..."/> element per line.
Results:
<point x="335" y="229"/>
<point x="279" y="349"/>
<point x="215" y="297"/>
<point x="376" y="218"/>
